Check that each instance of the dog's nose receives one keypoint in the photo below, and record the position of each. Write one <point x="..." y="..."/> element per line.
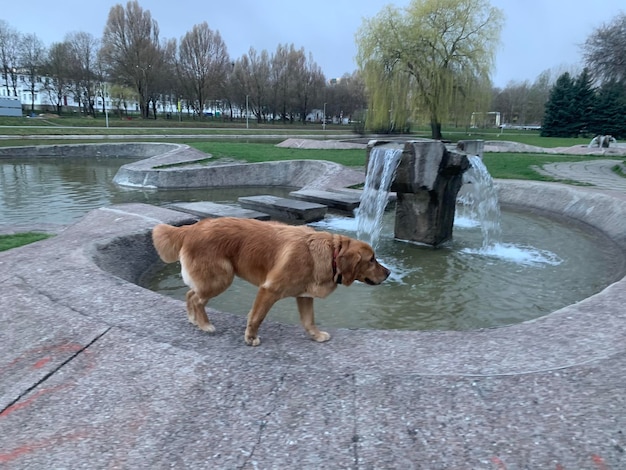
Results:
<point x="387" y="272"/>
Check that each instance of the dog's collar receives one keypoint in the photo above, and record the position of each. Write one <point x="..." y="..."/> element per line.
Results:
<point x="336" y="277"/>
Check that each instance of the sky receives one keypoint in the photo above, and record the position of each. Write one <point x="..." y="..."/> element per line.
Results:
<point x="538" y="35"/>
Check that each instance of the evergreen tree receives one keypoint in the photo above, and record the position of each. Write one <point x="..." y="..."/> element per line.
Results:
<point x="582" y="107"/>
<point x="557" y="119"/>
<point x="608" y="115"/>
<point x="569" y="106"/>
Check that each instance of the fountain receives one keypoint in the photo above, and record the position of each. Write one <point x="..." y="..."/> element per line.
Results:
<point x="456" y="287"/>
<point x="427" y="180"/>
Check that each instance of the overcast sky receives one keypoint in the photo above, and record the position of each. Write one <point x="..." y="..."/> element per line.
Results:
<point x="537" y="35"/>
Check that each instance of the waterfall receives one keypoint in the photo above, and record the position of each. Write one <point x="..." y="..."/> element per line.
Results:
<point x="381" y="169"/>
<point x="481" y="199"/>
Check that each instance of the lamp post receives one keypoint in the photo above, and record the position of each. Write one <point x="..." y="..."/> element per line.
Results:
<point x="247" y="114"/>
<point x="324" y="118"/>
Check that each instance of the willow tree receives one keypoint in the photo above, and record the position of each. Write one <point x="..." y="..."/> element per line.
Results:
<point x="421" y="59"/>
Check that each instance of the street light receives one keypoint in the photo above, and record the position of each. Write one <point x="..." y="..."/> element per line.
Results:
<point x="324" y="118"/>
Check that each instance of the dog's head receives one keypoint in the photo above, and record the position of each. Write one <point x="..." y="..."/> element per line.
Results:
<point x="356" y="261"/>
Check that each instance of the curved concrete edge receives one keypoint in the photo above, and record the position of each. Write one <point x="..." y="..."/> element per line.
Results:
<point x="125" y="150"/>
<point x="179" y="166"/>
<point x="90" y="269"/>
<point x="178" y="169"/>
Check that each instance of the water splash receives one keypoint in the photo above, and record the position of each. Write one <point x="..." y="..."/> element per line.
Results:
<point x="479" y="206"/>
<point x="381" y="170"/>
<point x="480" y="202"/>
<point x="518" y="254"/>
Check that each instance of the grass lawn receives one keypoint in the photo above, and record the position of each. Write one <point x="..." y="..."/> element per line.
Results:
<point x="13" y="241"/>
<point x="264" y="152"/>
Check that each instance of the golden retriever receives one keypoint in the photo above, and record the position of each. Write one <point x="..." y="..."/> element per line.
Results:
<point x="282" y="260"/>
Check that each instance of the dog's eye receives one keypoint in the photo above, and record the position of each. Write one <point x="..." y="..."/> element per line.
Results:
<point x="373" y="260"/>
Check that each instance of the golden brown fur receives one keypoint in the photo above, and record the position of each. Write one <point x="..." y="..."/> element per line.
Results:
<point x="282" y="260"/>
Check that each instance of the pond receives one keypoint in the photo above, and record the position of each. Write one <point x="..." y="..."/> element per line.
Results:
<point x="548" y="264"/>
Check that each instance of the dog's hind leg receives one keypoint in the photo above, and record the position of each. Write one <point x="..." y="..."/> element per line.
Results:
<point x="307" y="317"/>
<point x="205" y="284"/>
<point x="196" y="312"/>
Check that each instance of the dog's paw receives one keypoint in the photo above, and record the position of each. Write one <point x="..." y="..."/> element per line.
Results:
<point x="209" y="328"/>
<point x="252" y="341"/>
<point x="321" y="337"/>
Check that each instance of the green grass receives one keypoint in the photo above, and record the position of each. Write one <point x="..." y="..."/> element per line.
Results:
<point x="264" y="152"/>
<point x="19" y="239"/>
<point x="619" y="169"/>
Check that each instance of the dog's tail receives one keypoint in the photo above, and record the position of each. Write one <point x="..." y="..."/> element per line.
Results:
<point x="168" y="241"/>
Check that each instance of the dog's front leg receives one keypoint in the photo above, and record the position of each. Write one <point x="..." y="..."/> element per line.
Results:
<point x="262" y="304"/>
<point x="307" y="317"/>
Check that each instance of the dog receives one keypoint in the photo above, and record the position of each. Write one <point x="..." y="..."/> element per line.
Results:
<point x="281" y="260"/>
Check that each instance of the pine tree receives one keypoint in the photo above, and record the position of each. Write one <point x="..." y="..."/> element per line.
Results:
<point x="609" y="110"/>
<point x="557" y="120"/>
<point x="582" y="107"/>
<point x="569" y="107"/>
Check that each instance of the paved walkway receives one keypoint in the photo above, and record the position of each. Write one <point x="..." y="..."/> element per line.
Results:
<point x="96" y="372"/>
<point x="598" y="173"/>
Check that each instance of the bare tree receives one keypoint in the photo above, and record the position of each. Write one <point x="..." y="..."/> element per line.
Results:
<point x="203" y="64"/>
<point x="605" y="51"/>
<point x="57" y="71"/>
<point x="9" y="55"/>
<point x="307" y="81"/>
<point x="32" y="58"/>
<point x="251" y="77"/>
<point x="345" y="96"/>
<point x="131" y="49"/>
<point x="83" y="50"/>
<point x="279" y="82"/>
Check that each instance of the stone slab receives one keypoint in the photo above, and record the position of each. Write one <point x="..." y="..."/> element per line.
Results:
<point x="206" y="209"/>
<point x="341" y="201"/>
<point x="284" y="208"/>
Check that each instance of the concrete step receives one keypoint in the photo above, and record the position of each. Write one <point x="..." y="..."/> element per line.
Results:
<point x="341" y="201"/>
<point x="285" y="209"/>
<point x="207" y="209"/>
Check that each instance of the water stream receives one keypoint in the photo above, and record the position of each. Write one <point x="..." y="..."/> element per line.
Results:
<point x="381" y="169"/>
<point x="478" y="206"/>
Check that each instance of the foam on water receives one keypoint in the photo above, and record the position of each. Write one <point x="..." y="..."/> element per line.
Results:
<point x="524" y="255"/>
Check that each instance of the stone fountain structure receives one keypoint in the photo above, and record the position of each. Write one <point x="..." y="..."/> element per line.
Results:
<point x="428" y="178"/>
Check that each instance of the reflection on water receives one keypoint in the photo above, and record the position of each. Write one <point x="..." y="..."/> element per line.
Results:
<point x="62" y="190"/>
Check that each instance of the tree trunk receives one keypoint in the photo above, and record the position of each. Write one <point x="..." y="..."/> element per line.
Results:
<point x="435" y="130"/>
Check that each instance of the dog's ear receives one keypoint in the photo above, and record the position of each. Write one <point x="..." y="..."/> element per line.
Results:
<point x="347" y="262"/>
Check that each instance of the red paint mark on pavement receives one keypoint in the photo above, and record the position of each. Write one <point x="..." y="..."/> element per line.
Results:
<point x="559" y="467"/>
<point x="23" y="404"/>
<point x="28" y="448"/>
<point x="599" y="461"/>
<point x="498" y="463"/>
<point x="42" y="362"/>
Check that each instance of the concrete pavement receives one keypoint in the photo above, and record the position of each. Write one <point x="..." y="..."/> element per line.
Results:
<point x="96" y="372"/>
